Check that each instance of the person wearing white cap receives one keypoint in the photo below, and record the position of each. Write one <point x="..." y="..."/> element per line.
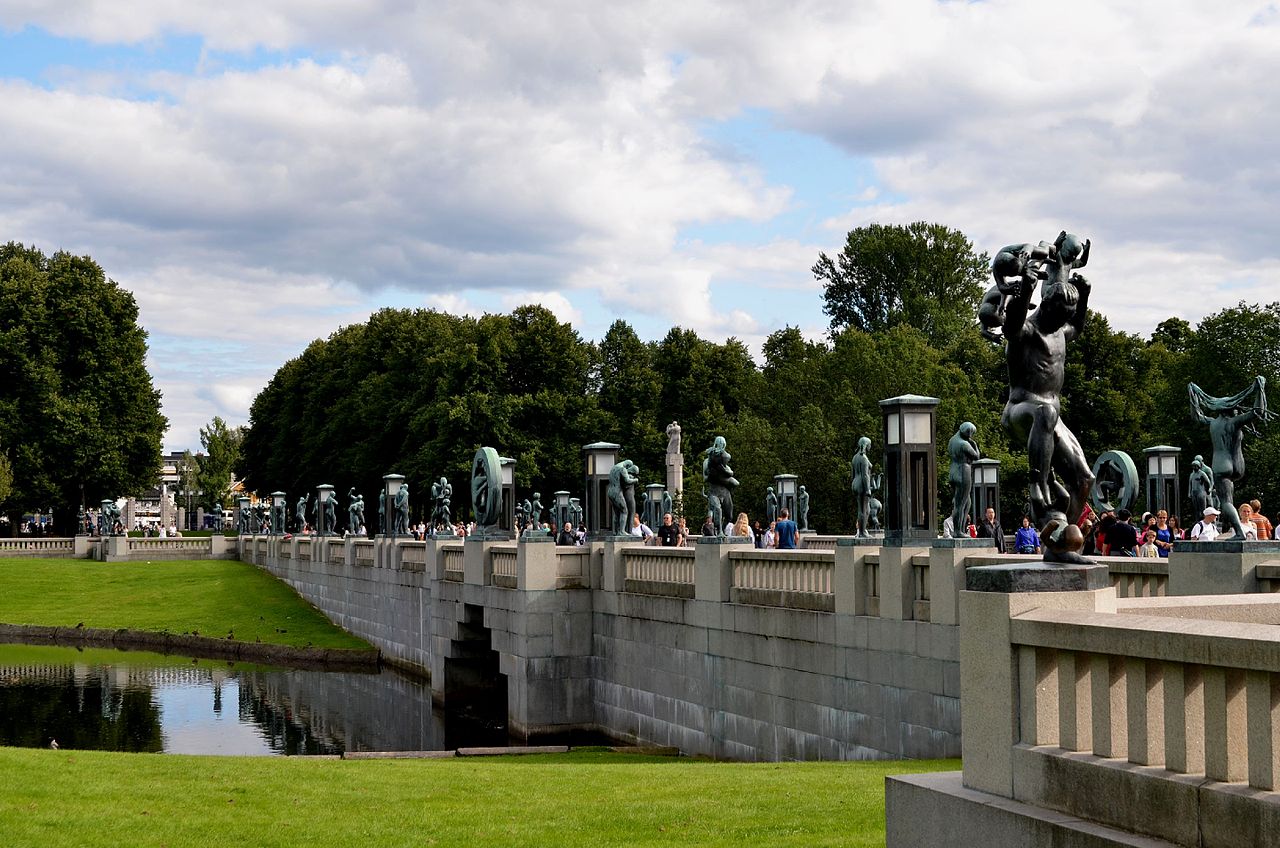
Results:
<point x="1205" y="530"/>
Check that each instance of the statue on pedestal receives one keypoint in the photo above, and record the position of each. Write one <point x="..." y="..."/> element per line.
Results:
<point x="1229" y="418"/>
<point x="535" y="510"/>
<point x="402" y="511"/>
<point x="355" y="511"/>
<point x="1200" y="486"/>
<point x="802" y="508"/>
<point x="1036" y="356"/>
<point x="770" y="505"/>
<point x="862" y="487"/>
<point x="720" y="483"/>
<point x="575" y="511"/>
<point x="442" y="513"/>
<point x="301" y="512"/>
<point x="621" y="492"/>
<point x="673" y="439"/>
<point x="964" y="453"/>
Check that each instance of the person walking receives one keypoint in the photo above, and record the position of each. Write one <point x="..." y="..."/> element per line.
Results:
<point x="992" y="530"/>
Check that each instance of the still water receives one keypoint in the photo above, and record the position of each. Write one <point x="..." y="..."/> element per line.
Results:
<point x="135" y="701"/>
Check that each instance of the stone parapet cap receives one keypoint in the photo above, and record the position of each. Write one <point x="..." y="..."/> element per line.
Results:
<point x="807" y="555"/>
<point x="1231" y="644"/>
<point x="1228" y="546"/>
<point x="1036" y="577"/>
<point x="963" y="542"/>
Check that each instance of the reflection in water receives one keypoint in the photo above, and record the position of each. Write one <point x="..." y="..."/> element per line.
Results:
<point x="132" y="701"/>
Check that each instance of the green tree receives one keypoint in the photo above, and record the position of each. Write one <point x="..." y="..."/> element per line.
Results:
<point x="6" y="478"/>
<point x="922" y="274"/>
<point x="221" y="456"/>
<point x="76" y="402"/>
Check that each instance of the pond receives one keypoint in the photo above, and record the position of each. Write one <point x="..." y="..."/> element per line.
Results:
<point x="135" y="701"/>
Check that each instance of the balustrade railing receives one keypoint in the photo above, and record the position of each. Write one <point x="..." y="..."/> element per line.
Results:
<point x="1193" y="696"/>
<point x="503" y="560"/>
<point x="658" y="571"/>
<point x="801" y="579"/>
<point x="364" y="553"/>
<point x="20" y="545"/>
<point x="452" y="557"/>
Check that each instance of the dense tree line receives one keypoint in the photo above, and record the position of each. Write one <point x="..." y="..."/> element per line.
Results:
<point x="417" y="392"/>
<point x="79" y="416"/>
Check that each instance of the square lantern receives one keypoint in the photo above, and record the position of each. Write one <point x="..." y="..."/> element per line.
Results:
<point x="653" y="504"/>
<point x="391" y="484"/>
<point x="278" y="500"/>
<point x="561" y="501"/>
<point x="986" y="490"/>
<point x="324" y="494"/>
<point x="243" y="518"/>
<point x="785" y="487"/>
<point x="507" y="517"/>
<point x="1164" y="485"/>
<point x="599" y="459"/>
<point x="910" y="468"/>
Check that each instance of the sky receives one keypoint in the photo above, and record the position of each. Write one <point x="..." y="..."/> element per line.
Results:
<point x="260" y="175"/>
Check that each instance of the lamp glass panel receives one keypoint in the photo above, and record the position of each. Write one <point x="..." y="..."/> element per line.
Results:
<point x="1153" y="464"/>
<point x="918" y="429"/>
<point x="1169" y="465"/>
<point x="891" y="428"/>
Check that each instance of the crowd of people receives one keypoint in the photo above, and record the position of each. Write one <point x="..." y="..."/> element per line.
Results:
<point x="1119" y="532"/>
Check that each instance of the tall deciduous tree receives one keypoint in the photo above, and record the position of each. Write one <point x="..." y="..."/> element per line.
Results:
<point x="77" y="406"/>
<point x="922" y="274"/>
<point x="221" y="456"/>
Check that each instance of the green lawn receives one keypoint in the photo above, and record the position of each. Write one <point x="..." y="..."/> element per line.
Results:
<point x="203" y="597"/>
<point x="75" y="798"/>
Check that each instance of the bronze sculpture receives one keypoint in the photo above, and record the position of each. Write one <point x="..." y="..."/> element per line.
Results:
<point x="1036" y="356"/>
<point x="1229" y="418"/>
<point x="719" y="482"/>
<point x="964" y="453"/>
<point x="862" y="486"/>
<point x="621" y="492"/>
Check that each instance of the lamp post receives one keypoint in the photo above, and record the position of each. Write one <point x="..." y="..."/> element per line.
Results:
<point x="242" y="516"/>
<point x="785" y="485"/>
<point x="1164" y="485"/>
<point x="392" y="484"/>
<point x="561" y="500"/>
<point x="278" y="500"/>
<point x="324" y="494"/>
<point x="986" y="490"/>
<point x="910" y="465"/>
<point x="653" y="504"/>
<point x="600" y="457"/>
<point x="507" y="518"/>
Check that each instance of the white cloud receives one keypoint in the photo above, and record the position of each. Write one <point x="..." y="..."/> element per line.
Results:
<point x="468" y="154"/>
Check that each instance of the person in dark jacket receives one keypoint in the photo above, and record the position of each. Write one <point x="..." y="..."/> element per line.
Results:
<point x="991" y="529"/>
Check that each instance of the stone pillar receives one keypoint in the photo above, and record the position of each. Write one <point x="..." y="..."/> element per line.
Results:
<point x="989" y="674"/>
<point x="849" y="582"/>
<point x="897" y="583"/>
<point x="675" y="473"/>
<point x="217" y="545"/>
<point x="946" y="575"/>
<point x="477" y="568"/>
<point x="712" y="570"/>
<point x="537" y="563"/>
<point x="1227" y="567"/>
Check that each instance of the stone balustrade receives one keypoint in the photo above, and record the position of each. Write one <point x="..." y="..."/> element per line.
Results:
<point x="1175" y="701"/>
<point x="799" y="579"/>
<point x="503" y="561"/>
<point x="47" y="546"/>
<point x="658" y="571"/>
<point x="451" y="560"/>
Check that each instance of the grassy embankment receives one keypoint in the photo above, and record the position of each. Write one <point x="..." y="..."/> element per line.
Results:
<point x="202" y="597"/>
<point x="84" y="798"/>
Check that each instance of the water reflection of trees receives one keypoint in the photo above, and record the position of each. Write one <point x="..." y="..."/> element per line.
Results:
<point x="78" y="706"/>
<point x="283" y="731"/>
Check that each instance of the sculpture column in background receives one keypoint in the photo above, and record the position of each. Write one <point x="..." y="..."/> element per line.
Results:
<point x="674" y="460"/>
<point x="1036" y="354"/>
<point x="1228" y="419"/>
